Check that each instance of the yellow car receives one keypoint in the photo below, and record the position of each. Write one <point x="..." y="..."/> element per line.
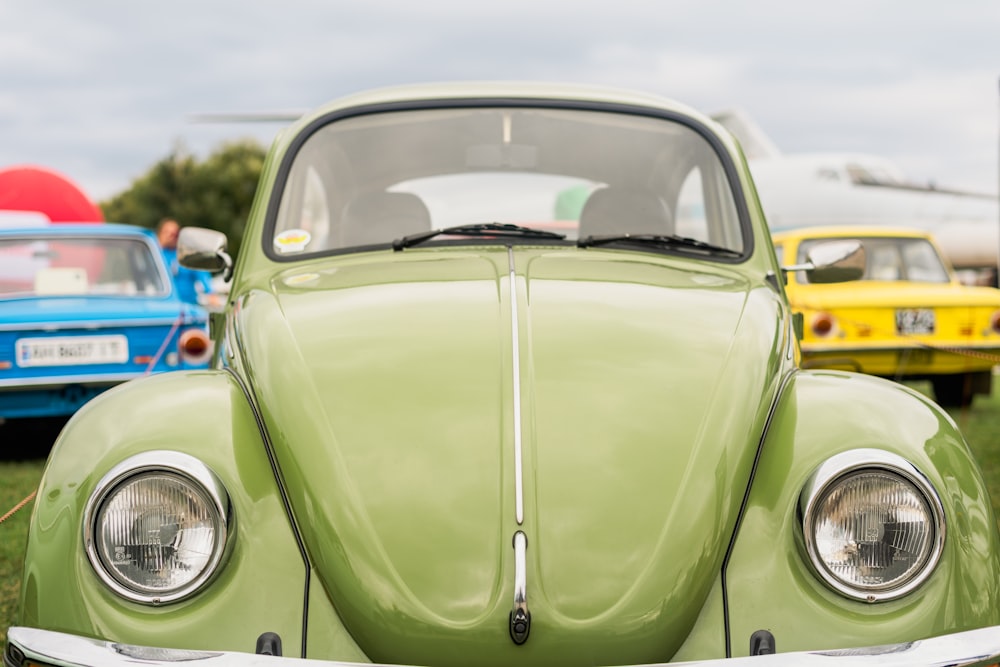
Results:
<point x="908" y="317"/>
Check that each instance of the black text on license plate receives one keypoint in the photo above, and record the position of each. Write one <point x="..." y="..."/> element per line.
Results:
<point x="915" y="321"/>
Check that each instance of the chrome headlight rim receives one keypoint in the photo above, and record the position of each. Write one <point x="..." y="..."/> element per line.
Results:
<point x="843" y="465"/>
<point x="171" y="463"/>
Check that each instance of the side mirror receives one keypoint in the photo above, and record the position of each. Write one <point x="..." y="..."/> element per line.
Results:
<point x="204" y="249"/>
<point x="833" y="262"/>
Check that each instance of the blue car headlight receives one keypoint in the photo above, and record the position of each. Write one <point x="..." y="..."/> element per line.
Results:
<point x="156" y="527"/>
<point x="872" y="524"/>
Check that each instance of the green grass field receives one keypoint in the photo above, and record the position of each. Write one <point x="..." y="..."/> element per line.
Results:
<point x="980" y="423"/>
<point x="20" y="478"/>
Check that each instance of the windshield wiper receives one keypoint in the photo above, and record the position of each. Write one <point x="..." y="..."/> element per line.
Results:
<point x="479" y="229"/>
<point x="663" y="240"/>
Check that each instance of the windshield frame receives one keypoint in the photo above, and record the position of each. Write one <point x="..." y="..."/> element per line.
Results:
<point x="290" y="155"/>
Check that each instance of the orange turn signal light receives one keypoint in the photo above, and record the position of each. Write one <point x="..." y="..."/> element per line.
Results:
<point x="823" y="324"/>
<point x="194" y="346"/>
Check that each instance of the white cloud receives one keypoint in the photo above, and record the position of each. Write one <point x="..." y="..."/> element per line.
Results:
<point x="103" y="89"/>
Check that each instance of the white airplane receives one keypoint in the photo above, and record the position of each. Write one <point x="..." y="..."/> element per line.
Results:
<point x="798" y="190"/>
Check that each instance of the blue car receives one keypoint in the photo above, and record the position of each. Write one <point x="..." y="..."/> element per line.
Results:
<point x="84" y="307"/>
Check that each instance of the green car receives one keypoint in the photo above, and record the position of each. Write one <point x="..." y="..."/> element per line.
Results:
<point x="508" y="376"/>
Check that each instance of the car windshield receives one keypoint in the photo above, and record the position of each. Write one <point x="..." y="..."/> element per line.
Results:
<point x="62" y="266"/>
<point x="371" y="179"/>
<point x="893" y="259"/>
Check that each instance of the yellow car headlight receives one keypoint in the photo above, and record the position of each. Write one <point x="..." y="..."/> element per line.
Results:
<point x="156" y="527"/>
<point x="873" y="526"/>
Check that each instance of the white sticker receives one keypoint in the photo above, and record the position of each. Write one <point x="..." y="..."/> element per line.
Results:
<point x="292" y="240"/>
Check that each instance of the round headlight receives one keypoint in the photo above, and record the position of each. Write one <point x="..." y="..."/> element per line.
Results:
<point x="873" y="525"/>
<point x="156" y="527"/>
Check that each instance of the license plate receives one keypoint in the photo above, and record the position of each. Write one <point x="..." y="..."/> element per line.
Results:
<point x="915" y="321"/>
<point x="72" y="350"/>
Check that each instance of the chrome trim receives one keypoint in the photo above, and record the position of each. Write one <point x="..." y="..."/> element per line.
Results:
<point x="790" y="339"/>
<point x="90" y="325"/>
<point x="237" y="337"/>
<point x="835" y="468"/>
<point x="227" y="336"/>
<point x="938" y="346"/>
<point x="520" y="572"/>
<point x="970" y="648"/>
<point x="62" y="380"/>
<point x="520" y="617"/>
<point x="178" y="463"/>
<point x="516" y="362"/>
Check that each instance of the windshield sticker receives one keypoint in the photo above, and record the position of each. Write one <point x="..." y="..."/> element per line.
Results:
<point x="292" y="240"/>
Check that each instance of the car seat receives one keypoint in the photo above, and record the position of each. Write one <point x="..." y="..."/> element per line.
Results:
<point x="611" y="210"/>
<point x="381" y="217"/>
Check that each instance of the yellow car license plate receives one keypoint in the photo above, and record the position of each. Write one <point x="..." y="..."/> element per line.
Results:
<point x="911" y="321"/>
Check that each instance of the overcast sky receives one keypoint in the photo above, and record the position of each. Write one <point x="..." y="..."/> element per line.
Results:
<point x="100" y="90"/>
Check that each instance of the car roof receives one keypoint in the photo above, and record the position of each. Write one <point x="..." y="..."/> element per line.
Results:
<point x="501" y="90"/>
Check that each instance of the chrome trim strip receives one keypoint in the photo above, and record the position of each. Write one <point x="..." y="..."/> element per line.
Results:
<point x="227" y="336"/>
<point x="178" y="463"/>
<point x="62" y="380"/>
<point x="516" y="362"/>
<point x="520" y="572"/>
<point x="961" y="649"/>
<point x="520" y="617"/>
<point x="955" y="347"/>
<point x="789" y="338"/>
<point x="90" y="325"/>
<point x="835" y="468"/>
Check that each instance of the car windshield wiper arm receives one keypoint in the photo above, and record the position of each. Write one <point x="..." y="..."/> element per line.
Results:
<point x="479" y="229"/>
<point x="667" y="240"/>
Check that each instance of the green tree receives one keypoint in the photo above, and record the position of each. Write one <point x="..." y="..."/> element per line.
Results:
<point x="216" y="193"/>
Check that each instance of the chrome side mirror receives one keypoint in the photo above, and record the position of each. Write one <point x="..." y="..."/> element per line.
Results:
<point x="833" y="262"/>
<point x="204" y="249"/>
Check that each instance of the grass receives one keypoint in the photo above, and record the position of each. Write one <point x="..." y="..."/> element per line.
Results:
<point x="979" y="423"/>
<point x="20" y="478"/>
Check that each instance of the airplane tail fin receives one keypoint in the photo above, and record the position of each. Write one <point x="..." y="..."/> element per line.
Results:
<point x="755" y="143"/>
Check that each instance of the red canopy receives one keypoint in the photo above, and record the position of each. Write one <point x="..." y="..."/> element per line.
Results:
<point x="29" y="188"/>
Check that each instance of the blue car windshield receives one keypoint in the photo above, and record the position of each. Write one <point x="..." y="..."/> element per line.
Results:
<point x="79" y="266"/>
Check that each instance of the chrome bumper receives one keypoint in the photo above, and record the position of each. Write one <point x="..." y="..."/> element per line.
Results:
<point x="973" y="648"/>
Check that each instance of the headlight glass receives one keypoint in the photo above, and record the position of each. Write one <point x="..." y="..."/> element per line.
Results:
<point x="873" y="525"/>
<point x="155" y="535"/>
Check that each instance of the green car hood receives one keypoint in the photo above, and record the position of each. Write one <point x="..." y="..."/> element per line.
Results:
<point x="387" y="388"/>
